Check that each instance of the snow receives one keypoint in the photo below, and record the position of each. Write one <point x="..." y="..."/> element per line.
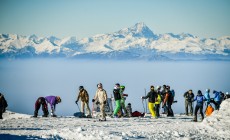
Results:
<point x="125" y="40"/>
<point x="68" y="127"/>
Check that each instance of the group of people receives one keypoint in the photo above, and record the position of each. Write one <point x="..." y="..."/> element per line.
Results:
<point x="200" y="99"/>
<point x="156" y="97"/>
<point x="101" y="99"/>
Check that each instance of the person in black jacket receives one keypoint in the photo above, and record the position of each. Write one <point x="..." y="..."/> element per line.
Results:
<point x="189" y="96"/>
<point x="152" y="95"/>
<point x="3" y="105"/>
<point x="117" y="98"/>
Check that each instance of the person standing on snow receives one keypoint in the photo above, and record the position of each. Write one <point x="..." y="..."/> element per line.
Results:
<point x="168" y="101"/>
<point x="188" y="101"/>
<point x="163" y="93"/>
<point x="3" y="105"/>
<point x="83" y="94"/>
<point x="152" y="98"/>
<point x="217" y="99"/>
<point x="101" y="97"/>
<point x="207" y="98"/>
<point x="158" y="101"/>
<point x="199" y="105"/>
<point x="117" y="98"/>
<point x="123" y="98"/>
<point x="129" y="110"/>
<point x="52" y="100"/>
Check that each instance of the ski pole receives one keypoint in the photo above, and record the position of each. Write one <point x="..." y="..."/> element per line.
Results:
<point x="143" y="105"/>
<point x="145" y="102"/>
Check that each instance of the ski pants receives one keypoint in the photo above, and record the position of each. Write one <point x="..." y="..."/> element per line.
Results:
<point x="170" y="111"/>
<point x="201" y="112"/>
<point x="188" y="105"/>
<point x="157" y="108"/>
<point x="41" y="101"/>
<point x="102" y="110"/>
<point x="83" y="105"/>
<point x="118" y="106"/>
<point x="123" y="107"/>
<point x="151" y="109"/>
<point x="1" y="112"/>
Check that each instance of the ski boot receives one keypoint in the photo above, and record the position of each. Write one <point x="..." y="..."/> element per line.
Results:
<point x="35" y="114"/>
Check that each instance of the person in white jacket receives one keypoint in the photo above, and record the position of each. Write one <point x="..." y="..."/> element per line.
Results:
<point x="101" y="98"/>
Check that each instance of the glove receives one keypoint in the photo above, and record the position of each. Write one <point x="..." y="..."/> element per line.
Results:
<point x="76" y="101"/>
<point x="104" y="102"/>
<point x="93" y="100"/>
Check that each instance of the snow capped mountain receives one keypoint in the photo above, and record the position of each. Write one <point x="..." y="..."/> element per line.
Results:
<point x="137" y="42"/>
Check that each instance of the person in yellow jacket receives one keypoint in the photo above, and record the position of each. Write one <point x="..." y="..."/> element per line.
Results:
<point x="158" y="101"/>
<point x="83" y="94"/>
<point x="152" y="98"/>
<point x="101" y="98"/>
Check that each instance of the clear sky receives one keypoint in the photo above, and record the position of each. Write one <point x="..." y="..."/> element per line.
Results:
<point x="85" y="18"/>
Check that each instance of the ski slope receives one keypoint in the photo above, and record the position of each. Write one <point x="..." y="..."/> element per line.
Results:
<point x="21" y="126"/>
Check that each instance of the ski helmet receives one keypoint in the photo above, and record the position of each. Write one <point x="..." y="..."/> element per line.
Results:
<point x="81" y="87"/>
<point x="227" y="93"/>
<point x="208" y="90"/>
<point x="99" y="85"/>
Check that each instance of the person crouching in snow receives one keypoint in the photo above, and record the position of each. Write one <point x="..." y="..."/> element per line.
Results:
<point x="101" y="97"/>
<point x="199" y="105"/>
<point x="152" y="98"/>
<point x="3" y="105"/>
<point x="52" y="100"/>
<point x="83" y="94"/>
<point x="117" y="98"/>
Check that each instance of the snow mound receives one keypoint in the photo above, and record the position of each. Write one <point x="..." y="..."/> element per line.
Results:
<point x="8" y="115"/>
<point x="219" y="120"/>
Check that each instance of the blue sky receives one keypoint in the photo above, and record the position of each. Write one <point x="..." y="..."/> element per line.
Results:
<point x="84" y="18"/>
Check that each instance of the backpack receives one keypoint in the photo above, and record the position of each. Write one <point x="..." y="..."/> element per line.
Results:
<point x="209" y="110"/>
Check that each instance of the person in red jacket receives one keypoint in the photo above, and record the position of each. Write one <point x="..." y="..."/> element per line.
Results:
<point x="168" y="101"/>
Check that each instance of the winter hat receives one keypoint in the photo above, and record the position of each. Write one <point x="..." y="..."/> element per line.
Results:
<point x="158" y="87"/>
<point x="81" y="87"/>
<point x="117" y="84"/>
<point x="152" y="87"/>
<point x="122" y="87"/>
<point x="199" y="92"/>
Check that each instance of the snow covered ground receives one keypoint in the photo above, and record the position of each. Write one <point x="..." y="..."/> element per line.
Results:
<point x="21" y="126"/>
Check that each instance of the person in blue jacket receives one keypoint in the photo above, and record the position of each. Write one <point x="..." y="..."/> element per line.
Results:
<point x="199" y="105"/>
<point x="217" y="99"/>
<point x="207" y="97"/>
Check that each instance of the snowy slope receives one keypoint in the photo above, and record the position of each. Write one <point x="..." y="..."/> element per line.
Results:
<point x="136" y="42"/>
<point x="18" y="126"/>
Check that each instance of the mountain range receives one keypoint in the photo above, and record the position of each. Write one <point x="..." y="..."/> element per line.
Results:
<point x="134" y="43"/>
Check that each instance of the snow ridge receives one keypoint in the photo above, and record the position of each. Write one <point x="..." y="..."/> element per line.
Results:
<point x="134" y="43"/>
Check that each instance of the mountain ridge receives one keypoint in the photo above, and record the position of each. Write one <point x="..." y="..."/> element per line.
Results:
<point x="137" y="42"/>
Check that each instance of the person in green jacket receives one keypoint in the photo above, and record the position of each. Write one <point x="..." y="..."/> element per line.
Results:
<point x="123" y="98"/>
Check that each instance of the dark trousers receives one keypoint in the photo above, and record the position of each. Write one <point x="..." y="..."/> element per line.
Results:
<point x="198" y="107"/>
<point x="170" y="111"/>
<point x="188" y="105"/>
<point x="157" y="109"/>
<point x="1" y="111"/>
<point x="216" y="103"/>
<point x="41" y="102"/>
